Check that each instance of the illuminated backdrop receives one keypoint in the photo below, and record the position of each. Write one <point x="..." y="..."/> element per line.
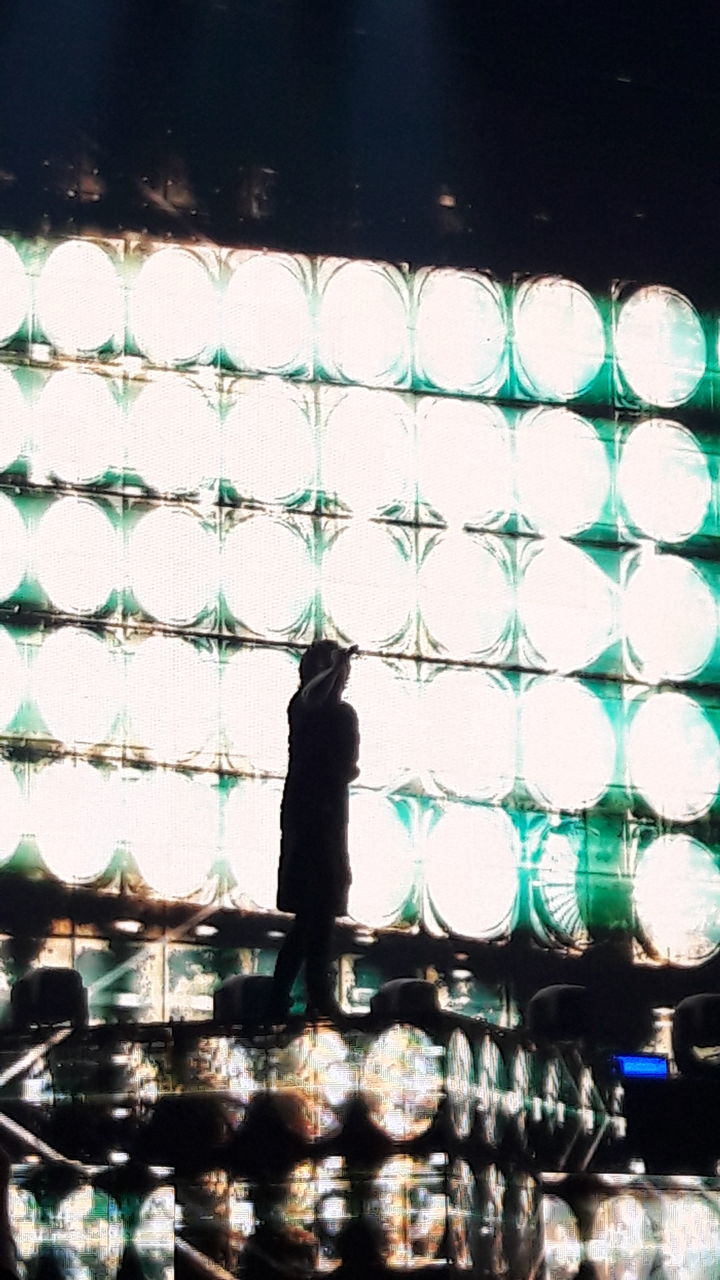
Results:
<point x="210" y="457"/>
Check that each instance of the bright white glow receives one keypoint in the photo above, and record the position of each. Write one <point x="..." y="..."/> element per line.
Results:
<point x="559" y="338"/>
<point x="566" y="605"/>
<point x="385" y="698"/>
<point x="267" y="325"/>
<point x="690" y="1234"/>
<point x="471" y="870"/>
<point x="76" y="682"/>
<point x="677" y="899"/>
<point x="315" y="1066"/>
<point x="363" y="324"/>
<point x="402" y="1082"/>
<point x="172" y="725"/>
<point x="460" y="1083"/>
<point x="13" y="540"/>
<point x="173" y="831"/>
<point x="660" y="346"/>
<point x="155" y="1232"/>
<point x="77" y="428"/>
<point x="460" y="332"/>
<point x="24" y="1213"/>
<point x="623" y="1242"/>
<point x="673" y="756"/>
<point x="173" y="308"/>
<point x="251" y="842"/>
<point x="567" y="744"/>
<point x="381" y="859"/>
<point x="79" y="298"/>
<point x="172" y="565"/>
<point x="12" y="678"/>
<point x="563" y="474"/>
<point x="368" y="583"/>
<point x="465" y="465"/>
<point x="367" y="461"/>
<point x="15" y="297"/>
<point x="75" y="815"/>
<point x="268" y="576"/>
<point x="670" y="617"/>
<point x="490" y="1073"/>
<point x="173" y="436"/>
<point x="411" y="1205"/>
<point x="13" y="821"/>
<point x="664" y="481"/>
<point x="257" y="685"/>
<point x="13" y="417"/>
<point x="466" y="594"/>
<point x="462" y="1214"/>
<point x="563" y="1251"/>
<point x="77" y="555"/>
<point x="556" y="878"/>
<point x="469" y="726"/>
<point x="268" y="447"/>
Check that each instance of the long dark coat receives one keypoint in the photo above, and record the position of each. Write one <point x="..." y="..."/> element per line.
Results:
<point x="323" y="753"/>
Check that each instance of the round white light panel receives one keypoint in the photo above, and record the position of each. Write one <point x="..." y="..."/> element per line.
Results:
<point x="172" y="725"/>
<point x="76" y="817"/>
<point x="12" y="678"/>
<point x="267" y="441"/>
<point x="567" y="606"/>
<point x="77" y="685"/>
<point x="466" y="594"/>
<point x="13" y="418"/>
<point x="173" y="437"/>
<point x="660" y="346"/>
<point x="13" y="822"/>
<point x="670" y="617"/>
<point x="78" y="429"/>
<point x="465" y="462"/>
<point x="15" y="298"/>
<point x="363" y="324"/>
<point x="559" y="338"/>
<point x="257" y="685"/>
<point x="368" y="585"/>
<point x="471" y="870"/>
<point x="664" y="481"/>
<point x="173" y="831"/>
<point x="382" y="861"/>
<point x="172" y="565"/>
<point x="77" y="555"/>
<point x="268" y="576"/>
<point x="267" y="323"/>
<point x="251" y="840"/>
<point x="367" y="462"/>
<point x="469" y="728"/>
<point x="563" y="474"/>
<point x="14" y="543"/>
<point x="677" y="899"/>
<point x="460" y="332"/>
<point x="174" y="308"/>
<point x="674" y="756"/>
<point x="567" y="744"/>
<point x="79" y="298"/>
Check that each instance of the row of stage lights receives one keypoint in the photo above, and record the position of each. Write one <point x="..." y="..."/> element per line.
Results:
<point x="423" y="1210"/>
<point x="358" y="322"/>
<point x="475" y="736"/>
<point x="421" y="459"/>
<point x="402" y="1086"/>
<point x="534" y="603"/>
<point x="475" y="871"/>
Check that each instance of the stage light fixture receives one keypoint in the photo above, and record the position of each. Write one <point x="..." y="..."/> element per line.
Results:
<point x="402" y="1082"/>
<point x="268" y="446"/>
<point x="681" y="780"/>
<point x="266" y="314"/>
<point x="466" y="594"/>
<point x="471" y="871"/>
<point x="79" y="298"/>
<point x="14" y="542"/>
<point x="77" y="428"/>
<point x="257" y="684"/>
<point x="460" y="331"/>
<point x="368" y="584"/>
<point x="469" y="728"/>
<point x="676" y="893"/>
<point x="75" y="814"/>
<point x="168" y="811"/>
<point x="563" y="471"/>
<point x="172" y="437"/>
<point x="465" y="462"/>
<point x="362" y="323"/>
<point x="670" y="617"/>
<point x="559" y="338"/>
<point x="660" y="346"/>
<point x="76" y="553"/>
<point x="664" y="481"/>
<point x="268" y="576"/>
<point x="567" y="744"/>
<point x="566" y="605"/>
<point x="173" y="308"/>
<point x="366" y="452"/>
<point x="157" y="668"/>
<point x="76" y="682"/>
<point x="14" y="415"/>
<point x="383" y="860"/>
<point x="172" y="565"/>
<point x="15" y="292"/>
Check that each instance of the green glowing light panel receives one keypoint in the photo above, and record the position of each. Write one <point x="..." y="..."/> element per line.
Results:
<point x="505" y="494"/>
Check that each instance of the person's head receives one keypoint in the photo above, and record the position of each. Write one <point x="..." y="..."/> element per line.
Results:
<point x="326" y="655"/>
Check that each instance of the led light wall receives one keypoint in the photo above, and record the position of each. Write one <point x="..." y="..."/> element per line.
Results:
<point x="534" y="590"/>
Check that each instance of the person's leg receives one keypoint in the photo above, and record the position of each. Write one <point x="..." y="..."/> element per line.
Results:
<point x="287" y="966"/>
<point x="321" y="996"/>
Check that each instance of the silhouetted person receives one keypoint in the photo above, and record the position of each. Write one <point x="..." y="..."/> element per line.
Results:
<point x="314" y="873"/>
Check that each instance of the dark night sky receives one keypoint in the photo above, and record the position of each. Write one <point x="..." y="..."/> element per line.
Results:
<point x="576" y="137"/>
